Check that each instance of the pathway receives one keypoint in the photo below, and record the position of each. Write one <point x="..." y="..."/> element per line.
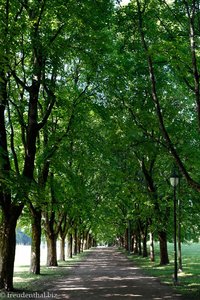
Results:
<point x="106" y="273"/>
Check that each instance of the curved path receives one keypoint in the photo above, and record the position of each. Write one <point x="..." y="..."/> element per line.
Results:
<point x="106" y="273"/>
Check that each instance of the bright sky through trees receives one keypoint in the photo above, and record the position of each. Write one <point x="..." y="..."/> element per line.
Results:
<point x="125" y="2"/>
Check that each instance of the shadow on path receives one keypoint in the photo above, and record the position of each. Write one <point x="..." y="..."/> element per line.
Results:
<point x="108" y="274"/>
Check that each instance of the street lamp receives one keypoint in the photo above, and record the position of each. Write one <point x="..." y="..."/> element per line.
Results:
<point x="174" y="180"/>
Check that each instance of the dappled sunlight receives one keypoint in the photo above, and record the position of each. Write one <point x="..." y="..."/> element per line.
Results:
<point x="73" y="288"/>
<point x="19" y="279"/>
<point x="183" y="274"/>
<point x="103" y="274"/>
<point x="120" y="295"/>
<point x="107" y="274"/>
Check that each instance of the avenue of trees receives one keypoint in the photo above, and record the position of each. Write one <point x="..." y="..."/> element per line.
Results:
<point x="98" y="102"/>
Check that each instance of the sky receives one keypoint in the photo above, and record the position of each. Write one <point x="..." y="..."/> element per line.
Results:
<point x="124" y="2"/>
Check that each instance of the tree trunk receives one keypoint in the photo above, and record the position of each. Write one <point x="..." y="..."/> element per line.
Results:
<point x="94" y="243"/>
<point x="85" y="240"/>
<point x="121" y="239"/>
<point x="90" y="241"/>
<point x="87" y="244"/>
<point x="51" y="251"/>
<point x="151" y="247"/>
<point x="79" y="244"/>
<point x="164" y="259"/>
<point x="135" y="244"/>
<point x="36" y="241"/>
<point x="75" y="242"/>
<point x="64" y="228"/>
<point x="70" y="247"/>
<point x="126" y="239"/>
<point x="7" y="246"/>
<point x="9" y="213"/>
<point x="81" y="241"/>
<point x="62" y="249"/>
<point x="129" y="236"/>
<point x="180" y="265"/>
<point x="139" y="244"/>
<point x="144" y="240"/>
<point x="144" y="244"/>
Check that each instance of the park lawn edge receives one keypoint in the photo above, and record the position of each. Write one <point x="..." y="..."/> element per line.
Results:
<point x="26" y="282"/>
<point x="188" y="282"/>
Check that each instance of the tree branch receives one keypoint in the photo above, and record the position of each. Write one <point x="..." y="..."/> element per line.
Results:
<point x="20" y="82"/>
<point x="155" y="98"/>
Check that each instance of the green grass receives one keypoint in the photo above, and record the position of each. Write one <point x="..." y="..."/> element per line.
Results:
<point x="188" y="279"/>
<point x="25" y="281"/>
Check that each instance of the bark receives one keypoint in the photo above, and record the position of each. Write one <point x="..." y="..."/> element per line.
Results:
<point x="180" y="264"/>
<point x="86" y="240"/>
<point x="94" y="242"/>
<point x="9" y="212"/>
<point x="75" y="242"/>
<point x="129" y="236"/>
<point x="62" y="249"/>
<point x="82" y="238"/>
<point x="64" y="228"/>
<point x="70" y="245"/>
<point x="79" y="244"/>
<point x="90" y="241"/>
<point x="151" y="247"/>
<point x="121" y="239"/>
<point x="36" y="224"/>
<point x="126" y="239"/>
<point x="164" y="259"/>
<point x="51" y="250"/>
<point x="36" y="241"/>
<point x="7" y="246"/>
<point x="51" y="237"/>
<point x="139" y="244"/>
<point x="143" y="230"/>
<point x="144" y="244"/>
<point x="84" y="243"/>
<point x="135" y="244"/>
<point x="162" y="217"/>
<point x="53" y="222"/>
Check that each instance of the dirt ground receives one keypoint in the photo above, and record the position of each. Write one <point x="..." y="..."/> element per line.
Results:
<point x="105" y="273"/>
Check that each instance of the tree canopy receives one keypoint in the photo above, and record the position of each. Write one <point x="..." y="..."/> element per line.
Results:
<point x="97" y="102"/>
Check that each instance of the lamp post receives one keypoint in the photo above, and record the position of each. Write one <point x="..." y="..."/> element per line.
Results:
<point x="174" y="180"/>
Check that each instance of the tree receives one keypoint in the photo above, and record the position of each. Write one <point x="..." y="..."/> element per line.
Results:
<point x="191" y="12"/>
<point x="156" y="79"/>
<point x="34" y="38"/>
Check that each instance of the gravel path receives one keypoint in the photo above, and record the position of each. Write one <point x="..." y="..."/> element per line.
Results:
<point x="106" y="273"/>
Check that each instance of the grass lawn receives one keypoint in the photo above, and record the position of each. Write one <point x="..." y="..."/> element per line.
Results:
<point x="25" y="282"/>
<point x="188" y="279"/>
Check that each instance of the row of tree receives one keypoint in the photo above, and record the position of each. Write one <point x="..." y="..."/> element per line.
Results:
<point x="97" y="101"/>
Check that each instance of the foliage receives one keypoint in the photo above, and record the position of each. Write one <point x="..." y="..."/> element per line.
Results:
<point x="103" y="98"/>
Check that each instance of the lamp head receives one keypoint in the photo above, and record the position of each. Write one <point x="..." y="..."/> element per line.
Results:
<point x="174" y="178"/>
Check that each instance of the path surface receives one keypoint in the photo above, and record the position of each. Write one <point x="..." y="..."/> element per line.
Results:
<point x="106" y="273"/>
